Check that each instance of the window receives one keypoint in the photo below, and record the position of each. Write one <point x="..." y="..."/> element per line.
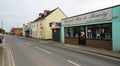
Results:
<point x="40" y="23"/>
<point x="75" y="32"/>
<point x="107" y="32"/>
<point x="71" y="32"/>
<point x="97" y="32"/>
<point x="67" y="32"/>
<point x="40" y="32"/>
<point x="89" y="32"/>
<point x="101" y="32"/>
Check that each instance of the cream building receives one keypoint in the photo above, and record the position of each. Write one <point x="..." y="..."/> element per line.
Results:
<point x="40" y="27"/>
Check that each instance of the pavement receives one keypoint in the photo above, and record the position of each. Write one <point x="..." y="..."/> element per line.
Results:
<point x="100" y="51"/>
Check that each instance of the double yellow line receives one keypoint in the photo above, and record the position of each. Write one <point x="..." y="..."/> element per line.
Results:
<point x="11" y="59"/>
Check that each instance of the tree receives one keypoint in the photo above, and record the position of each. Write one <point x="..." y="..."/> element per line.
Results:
<point x="2" y="30"/>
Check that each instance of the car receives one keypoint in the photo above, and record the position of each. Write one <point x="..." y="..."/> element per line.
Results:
<point x="1" y="38"/>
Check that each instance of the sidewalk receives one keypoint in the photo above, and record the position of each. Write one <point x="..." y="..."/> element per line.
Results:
<point x="104" y="52"/>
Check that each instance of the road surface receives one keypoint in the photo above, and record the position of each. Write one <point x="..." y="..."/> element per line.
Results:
<point x="25" y="52"/>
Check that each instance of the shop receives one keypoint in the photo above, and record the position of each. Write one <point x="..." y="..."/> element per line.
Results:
<point x="99" y="29"/>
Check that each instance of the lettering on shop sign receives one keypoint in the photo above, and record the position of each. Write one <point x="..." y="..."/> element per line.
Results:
<point x="94" y="16"/>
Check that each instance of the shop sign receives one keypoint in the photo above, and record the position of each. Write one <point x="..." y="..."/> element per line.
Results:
<point x="90" y="17"/>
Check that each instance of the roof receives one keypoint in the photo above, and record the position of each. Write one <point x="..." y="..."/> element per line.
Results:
<point x="92" y="11"/>
<point x="45" y="14"/>
<point x="16" y="29"/>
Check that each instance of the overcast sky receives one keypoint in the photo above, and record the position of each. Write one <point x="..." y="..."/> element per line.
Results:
<point x="13" y="13"/>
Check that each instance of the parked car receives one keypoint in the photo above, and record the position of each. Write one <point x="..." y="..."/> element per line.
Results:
<point x="1" y="37"/>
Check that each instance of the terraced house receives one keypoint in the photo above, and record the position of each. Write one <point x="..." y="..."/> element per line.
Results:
<point x="40" y="28"/>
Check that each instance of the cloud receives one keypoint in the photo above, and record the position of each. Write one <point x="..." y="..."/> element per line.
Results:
<point x="23" y="11"/>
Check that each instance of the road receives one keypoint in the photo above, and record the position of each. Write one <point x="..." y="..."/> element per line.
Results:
<point x="27" y="52"/>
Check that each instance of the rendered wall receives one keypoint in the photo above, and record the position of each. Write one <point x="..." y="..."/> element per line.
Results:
<point x="116" y="29"/>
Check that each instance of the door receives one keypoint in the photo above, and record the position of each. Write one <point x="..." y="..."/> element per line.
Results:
<point x="82" y="36"/>
<point x="56" y="35"/>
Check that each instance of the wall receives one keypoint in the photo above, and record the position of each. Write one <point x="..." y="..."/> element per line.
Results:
<point x="62" y="32"/>
<point x="106" y="44"/>
<point x="17" y="32"/>
<point x="55" y="16"/>
<point x="116" y="28"/>
<point x="71" y="41"/>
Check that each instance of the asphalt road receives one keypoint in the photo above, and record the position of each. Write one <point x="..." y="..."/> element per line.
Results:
<point x="27" y="52"/>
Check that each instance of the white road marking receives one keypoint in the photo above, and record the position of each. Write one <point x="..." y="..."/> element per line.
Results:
<point x="43" y="50"/>
<point x="73" y="63"/>
<point x="27" y="43"/>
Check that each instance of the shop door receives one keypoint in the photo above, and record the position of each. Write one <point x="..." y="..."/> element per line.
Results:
<point x="82" y="36"/>
<point x="56" y="35"/>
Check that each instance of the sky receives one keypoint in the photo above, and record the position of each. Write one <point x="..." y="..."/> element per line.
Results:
<point x="15" y="13"/>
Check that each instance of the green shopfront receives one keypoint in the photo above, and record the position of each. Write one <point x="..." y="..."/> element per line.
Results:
<point x="99" y="28"/>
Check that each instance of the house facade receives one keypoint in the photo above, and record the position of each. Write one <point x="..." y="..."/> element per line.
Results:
<point x="40" y="27"/>
<point x="17" y="31"/>
<point x="99" y="28"/>
<point x="26" y="30"/>
<point x="23" y="30"/>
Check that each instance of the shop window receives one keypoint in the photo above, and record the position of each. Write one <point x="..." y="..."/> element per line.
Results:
<point x="107" y="33"/>
<point x="101" y="32"/>
<point x="66" y="32"/>
<point x="89" y="32"/>
<point x="71" y="32"/>
<point x="97" y="32"/>
<point x="75" y="32"/>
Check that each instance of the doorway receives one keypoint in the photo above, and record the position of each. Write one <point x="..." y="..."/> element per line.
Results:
<point x="82" y="36"/>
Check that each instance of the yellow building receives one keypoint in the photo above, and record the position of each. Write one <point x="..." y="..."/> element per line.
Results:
<point x="41" y="28"/>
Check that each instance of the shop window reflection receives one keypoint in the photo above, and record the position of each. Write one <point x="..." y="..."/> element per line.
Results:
<point x="100" y="32"/>
<point x="97" y="31"/>
<point x="71" y="32"/>
<point x="108" y="31"/>
<point x="89" y="32"/>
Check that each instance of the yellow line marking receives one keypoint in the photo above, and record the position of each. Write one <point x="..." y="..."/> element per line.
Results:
<point x="12" y="59"/>
<point x="8" y="53"/>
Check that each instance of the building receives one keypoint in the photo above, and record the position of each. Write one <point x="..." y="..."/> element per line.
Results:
<point x="17" y="31"/>
<point x="23" y="30"/>
<point x="99" y="29"/>
<point x="26" y="31"/>
<point x="40" y="27"/>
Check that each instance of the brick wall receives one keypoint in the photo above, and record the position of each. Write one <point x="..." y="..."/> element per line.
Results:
<point x="71" y="41"/>
<point x="106" y="44"/>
